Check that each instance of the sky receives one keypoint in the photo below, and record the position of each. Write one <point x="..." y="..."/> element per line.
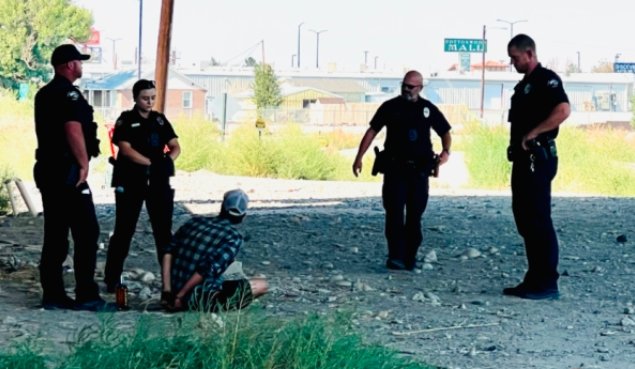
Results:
<point x="394" y="35"/>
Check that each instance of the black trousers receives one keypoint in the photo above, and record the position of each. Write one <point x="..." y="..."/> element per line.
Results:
<point x="531" y="204"/>
<point x="405" y="197"/>
<point x="69" y="208"/>
<point x="159" y="202"/>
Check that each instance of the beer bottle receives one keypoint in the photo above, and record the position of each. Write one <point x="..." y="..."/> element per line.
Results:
<point x="121" y="295"/>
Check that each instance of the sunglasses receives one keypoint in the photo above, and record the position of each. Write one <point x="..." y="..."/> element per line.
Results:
<point x="409" y="86"/>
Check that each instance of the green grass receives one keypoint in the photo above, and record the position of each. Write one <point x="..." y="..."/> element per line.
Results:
<point x="240" y="340"/>
<point x="591" y="161"/>
<point x="485" y="149"/>
<point x="596" y="161"/>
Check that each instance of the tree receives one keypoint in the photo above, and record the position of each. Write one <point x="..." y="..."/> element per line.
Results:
<point x="603" y="67"/>
<point x="250" y="62"/>
<point x="30" y="30"/>
<point x="266" y="87"/>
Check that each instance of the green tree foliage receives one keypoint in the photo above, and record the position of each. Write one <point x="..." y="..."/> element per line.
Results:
<point x="250" y="62"/>
<point x="266" y="87"/>
<point x="30" y="30"/>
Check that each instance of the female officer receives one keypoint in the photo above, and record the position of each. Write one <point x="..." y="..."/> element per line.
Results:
<point x="148" y="147"/>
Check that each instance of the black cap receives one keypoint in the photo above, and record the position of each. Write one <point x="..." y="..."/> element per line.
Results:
<point x="65" y="53"/>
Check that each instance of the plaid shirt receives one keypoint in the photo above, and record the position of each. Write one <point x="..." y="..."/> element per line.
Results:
<point x="207" y="245"/>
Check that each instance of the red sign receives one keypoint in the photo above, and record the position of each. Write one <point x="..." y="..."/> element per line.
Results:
<point x="94" y="37"/>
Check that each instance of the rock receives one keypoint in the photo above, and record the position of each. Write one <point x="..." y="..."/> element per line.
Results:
<point x="434" y="299"/>
<point x="145" y="294"/>
<point x="337" y="278"/>
<point x="328" y="265"/>
<point x="419" y="296"/>
<point x="431" y="257"/>
<point x="147" y="277"/>
<point x="621" y="238"/>
<point x="427" y="266"/>
<point x="472" y="253"/>
<point x="627" y="322"/>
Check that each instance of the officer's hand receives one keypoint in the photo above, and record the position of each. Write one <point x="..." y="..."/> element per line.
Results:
<point x="444" y="157"/>
<point x="83" y="176"/>
<point x="528" y="137"/>
<point x="357" y="167"/>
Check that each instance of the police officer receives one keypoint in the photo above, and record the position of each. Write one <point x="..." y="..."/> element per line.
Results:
<point x="67" y="139"/>
<point x="539" y="105"/>
<point x="142" y="173"/>
<point x="407" y="162"/>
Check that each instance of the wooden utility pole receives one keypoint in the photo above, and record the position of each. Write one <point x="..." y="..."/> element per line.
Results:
<point x="163" y="53"/>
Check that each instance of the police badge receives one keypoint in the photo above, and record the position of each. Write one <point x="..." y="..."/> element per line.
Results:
<point x="527" y="89"/>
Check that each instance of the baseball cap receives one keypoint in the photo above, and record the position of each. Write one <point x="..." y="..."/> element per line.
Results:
<point x="235" y="202"/>
<point x="65" y="53"/>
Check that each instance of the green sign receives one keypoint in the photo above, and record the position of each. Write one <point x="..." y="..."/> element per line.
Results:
<point x="465" y="61"/>
<point x="464" y="45"/>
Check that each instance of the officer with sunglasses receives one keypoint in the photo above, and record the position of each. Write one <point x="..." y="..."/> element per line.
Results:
<point x="148" y="147"/>
<point x="407" y="162"/>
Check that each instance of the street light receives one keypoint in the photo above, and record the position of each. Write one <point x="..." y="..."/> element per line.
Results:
<point x="317" y="46"/>
<point x="298" y="54"/>
<point x="139" y="45"/>
<point x="114" y="51"/>
<point x="511" y="25"/>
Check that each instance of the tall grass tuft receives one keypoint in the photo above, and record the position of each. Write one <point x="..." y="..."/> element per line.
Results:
<point x="599" y="161"/>
<point x="286" y="153"/>
<point x="22" y="357"/>
<point x="485" y="149"/>
<point x="596" y="161"/>
<point x="231" y="341"/>
<point x="201" y="145"/>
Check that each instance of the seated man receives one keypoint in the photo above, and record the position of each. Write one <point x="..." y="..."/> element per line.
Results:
<point x="200" y="251"/>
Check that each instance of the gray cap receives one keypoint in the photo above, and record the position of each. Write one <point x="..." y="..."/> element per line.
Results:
<point x="235" y="202"/>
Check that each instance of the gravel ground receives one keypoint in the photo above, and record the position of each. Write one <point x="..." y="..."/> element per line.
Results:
<point x="321" y="246"/>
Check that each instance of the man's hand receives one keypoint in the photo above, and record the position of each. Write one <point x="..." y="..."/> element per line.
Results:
<point x="528" y="137"/>
<point x="83" y="176"/>
<point x="357" y="166"/>
<point x="444" y="156"/>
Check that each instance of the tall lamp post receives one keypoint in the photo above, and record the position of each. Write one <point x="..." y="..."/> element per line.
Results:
<point x="317" y="46"/>
<point x="298" y="54"/>
<point x="139" y="48"/>
<point x="511" y="30"/>
<point x="114" y="51"/>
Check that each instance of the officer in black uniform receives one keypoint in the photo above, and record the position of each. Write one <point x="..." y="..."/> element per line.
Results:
<point x="539" y="105"/>
<point x="407" y="162"/>
<point x="141" y="173"/>
<point x="67" y="139"/>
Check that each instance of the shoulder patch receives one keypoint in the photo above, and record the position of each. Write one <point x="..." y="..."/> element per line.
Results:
<point x="553" y="83"/>
<point x="426" y="112"/>
<point x="72" y="95"/>
<point x="160" y="120"/>
<point x="119" y="122"/>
